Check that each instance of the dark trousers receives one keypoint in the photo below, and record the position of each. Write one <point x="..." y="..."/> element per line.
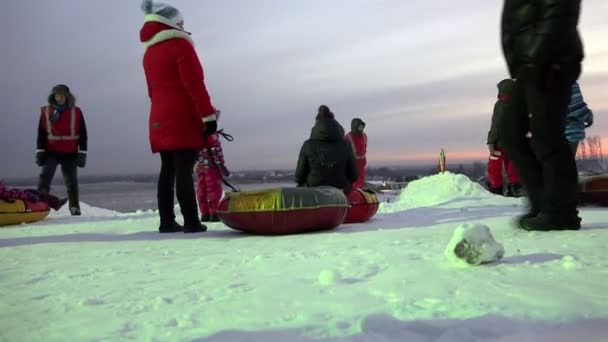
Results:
<point x="69" y="170"/>
<point x="176" y="172"/>
<point x="545" y="162"/>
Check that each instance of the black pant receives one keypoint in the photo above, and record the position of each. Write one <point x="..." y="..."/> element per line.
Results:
<point x="545" y="162"/>
<point x="176" y="170"/>
<point x="69" y="170"/>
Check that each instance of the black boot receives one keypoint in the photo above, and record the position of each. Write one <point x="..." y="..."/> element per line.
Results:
<point x="214" y="218"/>
<point x="170" y="227"/>
<point x="515" y="190"/>
<point x="195" y="227"/>
<point x="75" y="211"/>
<point x="542" y="222"/>
<point x="496" y="191"/>
<point x="205" y="217"/>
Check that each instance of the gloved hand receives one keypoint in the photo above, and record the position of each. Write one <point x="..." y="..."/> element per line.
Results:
<point x="40" y="158"/>
<point x="81" y="159"/>
<point x="491" y="148"/>
<point x="210" y="127"/>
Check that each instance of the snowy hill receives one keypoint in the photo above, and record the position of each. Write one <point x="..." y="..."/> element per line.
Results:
<point x="110" y="277"/>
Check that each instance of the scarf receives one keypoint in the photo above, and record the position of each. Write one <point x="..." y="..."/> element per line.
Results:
<point x="57" y="110"/>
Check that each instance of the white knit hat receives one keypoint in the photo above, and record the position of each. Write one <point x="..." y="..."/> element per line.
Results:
<point x="172" y="14"/>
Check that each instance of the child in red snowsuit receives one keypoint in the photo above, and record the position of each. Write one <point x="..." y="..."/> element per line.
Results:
<point x="497" y="154"/>
<point x="358" y="141"/>
<point x="210" y="170"/>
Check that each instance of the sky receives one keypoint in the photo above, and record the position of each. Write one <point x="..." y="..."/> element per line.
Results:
<point x="422" y="75"/>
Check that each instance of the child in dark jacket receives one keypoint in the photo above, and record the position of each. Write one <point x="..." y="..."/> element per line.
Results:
<point x="211" y="169"/>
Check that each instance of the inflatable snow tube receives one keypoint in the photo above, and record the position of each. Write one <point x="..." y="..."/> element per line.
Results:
<point x="363" y="205"/>
<point x="283" y="211"/>
<point x="18" y="211"/>
<point x="593" y="190"/>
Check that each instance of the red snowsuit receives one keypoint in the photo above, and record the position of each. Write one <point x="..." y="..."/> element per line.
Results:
<point x="495" y="169"/>
<point x="210" y="170"/>
<point x="359" y="144"/>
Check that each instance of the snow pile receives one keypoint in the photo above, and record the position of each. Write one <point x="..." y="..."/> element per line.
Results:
<point x="85" y="209"/>
<point x="473" y="244"/>
<point x="437" y="190"/>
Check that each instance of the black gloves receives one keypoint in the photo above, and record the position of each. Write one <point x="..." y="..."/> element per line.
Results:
<point x="210" y="127"/>
<point x="40" y="158"/>
<point x="81" y="159"/>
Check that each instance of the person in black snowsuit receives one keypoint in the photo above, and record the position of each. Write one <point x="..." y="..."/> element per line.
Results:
<point x="543" y="51"/>
<point x="326" y="159"/>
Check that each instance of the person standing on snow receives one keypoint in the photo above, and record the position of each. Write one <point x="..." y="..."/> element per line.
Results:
<point x="181" y="112"/>
<point x="357" y="139"/>
<point x="543" y="51"/>
<point x="578" y="119"/>
<point x="497" y="154"/>
<point x="210" y="170"/>
<point x="62" y="140"/>
<point x="326" y="159"/>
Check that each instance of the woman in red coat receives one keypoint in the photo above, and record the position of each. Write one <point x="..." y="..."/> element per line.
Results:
<point x="181" y="112"/>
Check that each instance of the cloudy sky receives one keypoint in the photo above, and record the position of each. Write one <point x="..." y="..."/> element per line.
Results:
<point x="422" y="74"/>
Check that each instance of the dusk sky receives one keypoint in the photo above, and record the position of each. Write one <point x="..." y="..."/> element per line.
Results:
<point x="422" y="74"/>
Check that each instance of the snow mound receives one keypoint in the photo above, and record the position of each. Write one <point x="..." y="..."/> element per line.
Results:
<point x="436" y="190"/>
<point x="86" y="210"/>
<point x="473" y="244"/>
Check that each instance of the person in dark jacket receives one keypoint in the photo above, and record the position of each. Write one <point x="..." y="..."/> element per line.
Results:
<point x="497" y="155"/>
<point x="62" y="140"/>
<point x="543" y="51"/>
<point x="326" y="159"/>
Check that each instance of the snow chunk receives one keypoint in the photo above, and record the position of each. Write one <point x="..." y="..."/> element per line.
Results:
<point x="473" y="244"/>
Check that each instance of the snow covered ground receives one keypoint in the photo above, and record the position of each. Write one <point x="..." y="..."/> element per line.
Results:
<point x="107" y="276"/>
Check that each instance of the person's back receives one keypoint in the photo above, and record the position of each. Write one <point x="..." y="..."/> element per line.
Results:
<point x="326" y="159"/>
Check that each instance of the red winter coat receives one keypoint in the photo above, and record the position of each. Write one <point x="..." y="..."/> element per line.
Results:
<point x="180" y="102"/>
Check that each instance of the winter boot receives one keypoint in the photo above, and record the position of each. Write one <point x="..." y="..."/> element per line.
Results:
<point x="75" y="211"/>
<point x="496" y="191"/>
<point x="195" y="227"/>
<point x="542" y="222"/>
<point x="205" y="217"/>
<point x="214" y="218"/>
<point x="170" y="227"/>
<point x="515" y="190"/>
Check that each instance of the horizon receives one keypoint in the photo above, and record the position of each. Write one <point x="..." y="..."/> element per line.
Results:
<point x="422" y="75"/>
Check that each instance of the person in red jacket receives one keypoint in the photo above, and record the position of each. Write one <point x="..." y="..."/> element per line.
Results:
<point x="358" y="140"/>
<point x="210" y="170"/>
<point x="62" y="140"/>
<point x="181" y="112"/>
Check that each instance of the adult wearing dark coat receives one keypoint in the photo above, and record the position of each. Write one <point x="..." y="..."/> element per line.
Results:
<point x="326" y="159"/>
<point x="181" y="111"/>
<point x="543" y="52"/>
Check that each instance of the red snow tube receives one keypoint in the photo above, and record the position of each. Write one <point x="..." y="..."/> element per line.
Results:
<point x="363" y="205"/>
<point x="594" y="190"/>
<point x="282" y="211"/>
